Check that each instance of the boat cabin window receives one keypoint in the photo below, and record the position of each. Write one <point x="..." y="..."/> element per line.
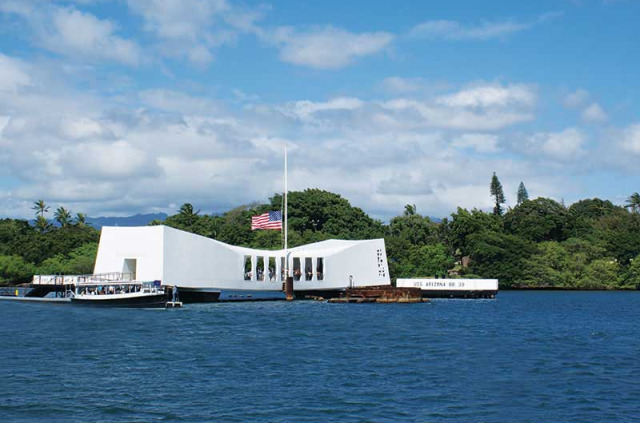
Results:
<point x="297" y="273"/>
<point x="247" y="268"/>
<point x="320" y="268"/>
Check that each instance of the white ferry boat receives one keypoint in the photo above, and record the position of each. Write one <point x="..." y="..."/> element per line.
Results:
<point x="126" y="294"/>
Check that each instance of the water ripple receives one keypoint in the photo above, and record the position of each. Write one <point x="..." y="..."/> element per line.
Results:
<point x="525" y="357"/>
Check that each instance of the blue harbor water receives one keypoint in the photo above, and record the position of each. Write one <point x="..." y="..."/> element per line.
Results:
<point x="523" y="357"/>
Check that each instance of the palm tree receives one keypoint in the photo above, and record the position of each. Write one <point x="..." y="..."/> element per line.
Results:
<point x="81" y="219"/>
<point x="62" y="216"/>
<point x="633" y="202"/>
<point x="187" y="210"/>
<point x="40" y="207"/>
<point x="42" y="224"/>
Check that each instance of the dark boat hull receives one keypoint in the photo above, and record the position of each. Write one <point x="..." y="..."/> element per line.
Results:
<point x="198" y="296"/>
<point x="148" y="301"/>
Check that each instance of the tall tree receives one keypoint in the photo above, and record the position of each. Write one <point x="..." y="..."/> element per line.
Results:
<point x="497" y="193"/>
<point x="523" y="195"/>
<point x="633" y="202"/>
<point x="40" y="207"/>
<point x="42" y="224"/>
<point x="62" y="216"/>
<point x="410" y="209"/>
<point x="187" y="210"/>
<point x="81" y="219"/>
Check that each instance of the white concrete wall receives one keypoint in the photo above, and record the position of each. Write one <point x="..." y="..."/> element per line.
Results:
<point x="427" y="284"/>
<point x="198" y="262"/>
<point x="143" y="243"/>
<point x="360" y="260"/>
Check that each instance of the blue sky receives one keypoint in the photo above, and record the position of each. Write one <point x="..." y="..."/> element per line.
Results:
<point x="141" y="105"/>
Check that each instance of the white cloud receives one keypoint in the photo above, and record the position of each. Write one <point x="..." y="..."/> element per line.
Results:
<point x="192" y="29"/>
<point x="305" y="109"/>
<point x="594" y="113"/>
<point x="591" y="111"/>
<point x="83" y="128"/>
<point x="482" y="143"/>
<point x="70" y="32"/>
<point x="425" y="114"/>
<point x="453" y="30"/>
<point x="565" y="145"/>
<point x="405" y="184"/>
<point x="199" y="55"/>
<point x="630" y="139"/>
<point x="13" y="74"/>
<point x="97" y="40"/>
<point x="327" y="47"/>
<point x="103" y="156"/>
<point x="110" y="161"/>
<point x="185" y="20"/>
<point x="398" y="85"/>
<point x="179" y="102"/>
<point x="576" y="99"/>
<point x="400" y="114"/>
<point x="491" y="96"/>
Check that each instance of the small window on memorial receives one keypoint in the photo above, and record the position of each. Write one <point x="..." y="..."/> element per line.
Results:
<point x="247" y="268"/>
<point x="297" y="272"/>
<point x="308" y="268"/>
<point x="260" y="269"/>
<point x="320" y="268"/>
<point x="272" y="269"/>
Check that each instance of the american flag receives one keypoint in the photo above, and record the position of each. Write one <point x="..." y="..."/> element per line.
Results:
<point x="269" y="220"/>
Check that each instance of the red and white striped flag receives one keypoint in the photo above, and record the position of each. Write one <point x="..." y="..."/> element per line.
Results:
<point x="269" y="220"/>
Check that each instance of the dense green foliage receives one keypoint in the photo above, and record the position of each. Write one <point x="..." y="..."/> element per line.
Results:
<point x="26" y="250"/>
<point x="540" y="243"/>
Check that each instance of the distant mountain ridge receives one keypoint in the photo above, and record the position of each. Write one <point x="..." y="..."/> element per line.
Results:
<point x="135" y="220"/>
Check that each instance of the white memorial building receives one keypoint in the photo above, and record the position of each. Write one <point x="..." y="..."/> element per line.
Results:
<point x="204" y="269"/>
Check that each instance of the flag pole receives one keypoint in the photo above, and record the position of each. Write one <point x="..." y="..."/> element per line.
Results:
<point x="285" y="201"/>
<point x="288" y="284"/>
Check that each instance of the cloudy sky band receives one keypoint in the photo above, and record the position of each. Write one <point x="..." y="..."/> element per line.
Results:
<point x="138" y="114"/>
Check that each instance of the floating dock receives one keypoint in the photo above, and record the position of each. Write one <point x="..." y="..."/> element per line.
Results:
<point x="452" y="288"/>
<point x="36" y="299"/>
<point x="36" y="294"/>
<point x="379" y="294"/>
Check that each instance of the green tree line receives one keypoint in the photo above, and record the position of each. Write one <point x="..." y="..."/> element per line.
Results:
<point x="539" y="243"/>
<point x="44" y="248"/>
